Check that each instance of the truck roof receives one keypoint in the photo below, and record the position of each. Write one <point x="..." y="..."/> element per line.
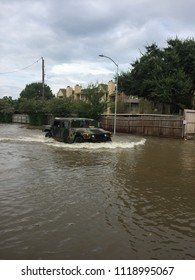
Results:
<point x="72" y="119"/>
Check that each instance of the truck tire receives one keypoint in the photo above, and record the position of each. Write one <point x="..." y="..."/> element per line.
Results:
<point x="79" y="139"/>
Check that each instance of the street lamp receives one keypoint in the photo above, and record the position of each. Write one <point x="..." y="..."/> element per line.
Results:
<point x="116" y="94"/>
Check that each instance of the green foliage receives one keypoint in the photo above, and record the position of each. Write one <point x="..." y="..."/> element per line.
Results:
<point x="80" y="108"/>
<point x="5" y="117"/>
<point x="7" y="105"/>
<point x="35" y="109"/>
<point x="34" y="91"/>
<point x="7" y="108"/>
<point x="94" y="104"/>
<point x="61" y="107"/>
<point x="37" y="119"/>
<point x="31" y="106"/>
<point x="163" y="75"/>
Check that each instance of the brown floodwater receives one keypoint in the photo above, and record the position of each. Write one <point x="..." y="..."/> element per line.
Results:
<point x="133" y="198"/>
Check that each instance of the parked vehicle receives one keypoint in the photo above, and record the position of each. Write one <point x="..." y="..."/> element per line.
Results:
<point x="76" y="130"/>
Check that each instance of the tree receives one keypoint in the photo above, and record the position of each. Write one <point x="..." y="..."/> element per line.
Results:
<point x="163" y="75"/>
<point x="59" y="107"/>
<point x="34" y="91"/>
<point x="80" y="108"/>
<point x="7" y="105"/>
<point x="7" y="108"/>
<point x="94" y="104"/>
<point x="31" y="106"/>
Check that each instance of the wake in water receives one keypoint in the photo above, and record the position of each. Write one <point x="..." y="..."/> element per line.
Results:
<point x="20" y="139"/>
<point x="98" y="146"/>
<point x="121" y="142"/>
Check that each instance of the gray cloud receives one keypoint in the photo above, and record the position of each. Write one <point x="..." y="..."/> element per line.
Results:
<point x="70" y="35"/>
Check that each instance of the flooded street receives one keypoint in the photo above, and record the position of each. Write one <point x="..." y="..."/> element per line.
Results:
<point x="133" y="198"/>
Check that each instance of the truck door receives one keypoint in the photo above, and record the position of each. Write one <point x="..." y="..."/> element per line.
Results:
<point x="65" y="131"/>
<point x="56" y="129"/>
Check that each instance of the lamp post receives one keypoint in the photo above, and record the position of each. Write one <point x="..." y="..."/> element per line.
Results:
<point x="116" y="93"/>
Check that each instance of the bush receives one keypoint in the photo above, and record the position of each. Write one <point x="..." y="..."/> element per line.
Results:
<point x="5" y="117"/>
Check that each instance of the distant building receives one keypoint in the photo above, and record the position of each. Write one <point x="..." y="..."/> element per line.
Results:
<point x="126" y="104"/>
<point x="69" y="91"/>
<point x="61" y="93"/>
<point x="79" y="93"/>
<point x="111" y="87"/>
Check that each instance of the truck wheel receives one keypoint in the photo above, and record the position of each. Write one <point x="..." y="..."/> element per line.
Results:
<point x="48" y="134"/>
<point x="79" y="139"/>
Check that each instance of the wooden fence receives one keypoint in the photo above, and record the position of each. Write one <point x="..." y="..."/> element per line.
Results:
<point x="150" y="125"/>
<point x="172" y="126"/>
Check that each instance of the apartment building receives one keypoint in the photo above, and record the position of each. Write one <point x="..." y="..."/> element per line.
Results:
<point x="76" y="93"/>
<point x="126" y="104"/>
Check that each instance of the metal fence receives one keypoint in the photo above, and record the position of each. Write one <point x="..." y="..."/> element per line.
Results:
<point x="20" y="118"/>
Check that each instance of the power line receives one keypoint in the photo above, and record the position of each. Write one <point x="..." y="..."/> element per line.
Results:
<point x="4" y="73"/>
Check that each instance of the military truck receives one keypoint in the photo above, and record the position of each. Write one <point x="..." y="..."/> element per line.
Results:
<point x="76" y="130"/>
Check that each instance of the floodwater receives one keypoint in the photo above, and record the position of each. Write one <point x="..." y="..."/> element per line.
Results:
<point x="133" y="198"/>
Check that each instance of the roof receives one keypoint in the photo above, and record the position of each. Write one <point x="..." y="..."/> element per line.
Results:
<point x="61" y="90"/>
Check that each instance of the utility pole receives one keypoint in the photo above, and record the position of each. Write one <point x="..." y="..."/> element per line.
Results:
<point x="43" y="79"/>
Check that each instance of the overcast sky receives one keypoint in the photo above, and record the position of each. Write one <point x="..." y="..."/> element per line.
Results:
<point x="70" y="35"/>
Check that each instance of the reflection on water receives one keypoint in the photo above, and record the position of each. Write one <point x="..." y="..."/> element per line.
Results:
<point x="133" y="198"/>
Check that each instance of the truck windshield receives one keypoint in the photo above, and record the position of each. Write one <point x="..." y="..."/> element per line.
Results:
<point x="83" y="123"/>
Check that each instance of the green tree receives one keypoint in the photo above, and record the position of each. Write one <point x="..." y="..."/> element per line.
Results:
<point x="80" y="108"/>
<point x="35" y="109"/>
<point x="163" y="75"/>
<point x="34" y="91"/>
<point x="59" y="107"/>
<point x="31" y="106"/>
<point x="7" y="104"/>
<point x="7" y="108"/>
<point x="94" y="104"/>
